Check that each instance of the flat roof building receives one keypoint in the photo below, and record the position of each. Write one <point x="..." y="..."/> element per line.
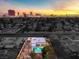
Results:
<point x="11" y="12"/>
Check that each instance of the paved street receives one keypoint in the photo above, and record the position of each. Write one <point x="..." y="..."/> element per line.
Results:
<point x="25" y="51"/>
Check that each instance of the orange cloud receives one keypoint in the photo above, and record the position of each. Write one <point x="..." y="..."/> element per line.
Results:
<point x="67" y="5"/>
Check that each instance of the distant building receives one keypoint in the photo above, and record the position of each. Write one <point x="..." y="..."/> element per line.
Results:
<point x="18" y="14"/>
<point x="37" y="14"/>
<point x="24" y="14"/>
<point x="11" y="12"/>
<point x="31" y="13"/>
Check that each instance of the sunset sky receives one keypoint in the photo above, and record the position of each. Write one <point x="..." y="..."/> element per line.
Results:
<point x="41" y="6"/>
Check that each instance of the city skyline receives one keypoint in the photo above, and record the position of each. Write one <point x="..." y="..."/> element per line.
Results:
<point x="41" y="6"/>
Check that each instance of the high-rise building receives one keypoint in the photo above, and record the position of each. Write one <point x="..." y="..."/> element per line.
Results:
<point x="31" y="13"/>
<point x="18" y="13"/>
<point x="11" y="12"/>
<point x="24" y="14"/>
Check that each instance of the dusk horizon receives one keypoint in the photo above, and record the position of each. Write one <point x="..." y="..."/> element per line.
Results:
<point x="41" y="6"/>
